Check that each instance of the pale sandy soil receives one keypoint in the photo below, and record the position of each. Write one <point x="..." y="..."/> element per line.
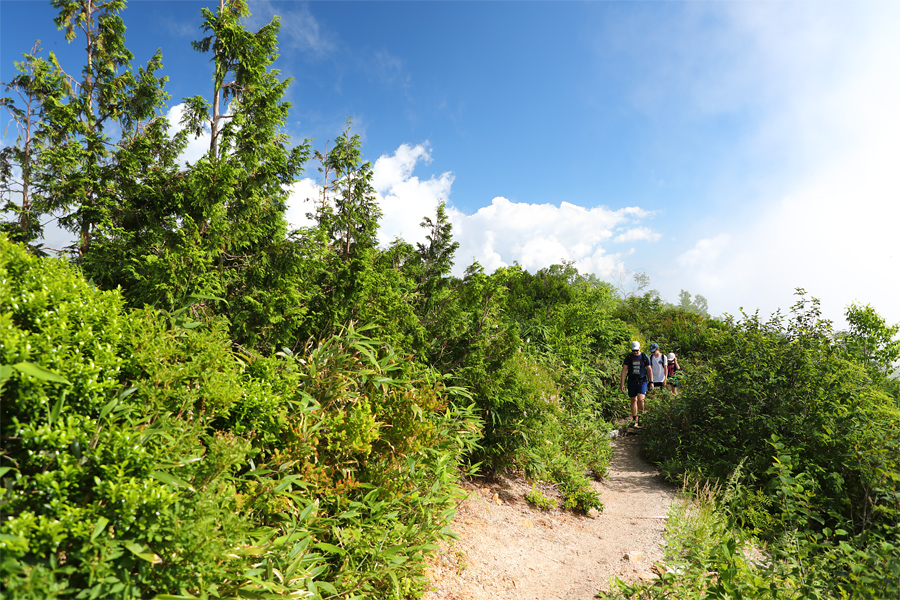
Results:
<point x="508" y="550"/>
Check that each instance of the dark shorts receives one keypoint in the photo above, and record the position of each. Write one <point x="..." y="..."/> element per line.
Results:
<point x="637" y="386"/>
<point x="658" y="384"/>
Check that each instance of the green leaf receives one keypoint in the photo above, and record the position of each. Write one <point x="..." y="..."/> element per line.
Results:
<point x="330" y="548"/>
<point x="324" y="585"/>
<point x="57" y="408"/>
<point x="139" y="551"/>
<point x="102" y="522"/>
<point x="4" y="537"/>
<point x="170" y="479"/>
<point x="39" y="372"/>
<point x="207" y="297"/>
<point x="108" y="407"/>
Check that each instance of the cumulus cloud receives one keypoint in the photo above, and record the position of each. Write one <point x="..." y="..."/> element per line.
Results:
<point x="539" y="235"/>
<point x="498" y="235"/>
<point x="197" y="146"/>
<point x="405" y="199"/>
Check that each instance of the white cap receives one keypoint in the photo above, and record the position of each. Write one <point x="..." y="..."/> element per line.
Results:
<point x="635" y="345"/>
<point x="671" y="356"/>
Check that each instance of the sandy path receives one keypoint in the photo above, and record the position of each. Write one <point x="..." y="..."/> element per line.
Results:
<point x="510" y="551"/>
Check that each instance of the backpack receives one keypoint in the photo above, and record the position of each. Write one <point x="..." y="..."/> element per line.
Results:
<point x="637" y="366"/>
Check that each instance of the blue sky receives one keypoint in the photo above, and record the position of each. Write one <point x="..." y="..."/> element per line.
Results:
<point x="737" y="150"/>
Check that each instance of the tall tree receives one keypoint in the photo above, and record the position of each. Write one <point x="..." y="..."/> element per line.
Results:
<point x="216" y="228"/>
<point x="349" y="211"/>
<point x="82" y="157"/>
<point x="38" y="83"/>
<point x="437" y="254"/>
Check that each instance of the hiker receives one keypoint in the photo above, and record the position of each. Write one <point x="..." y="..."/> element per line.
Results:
<point x="637" y="366"/>
<point x="671" y="378"/>
<point x="659" y="363"/>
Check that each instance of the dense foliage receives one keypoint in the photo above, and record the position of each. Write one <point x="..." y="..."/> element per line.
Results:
<point x="201" y="403"/>
<point x="143" y="456"/>
<point x="800" y="428"/>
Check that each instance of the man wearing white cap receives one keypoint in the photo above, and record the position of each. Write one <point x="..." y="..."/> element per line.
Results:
<point x="637" y="367"/>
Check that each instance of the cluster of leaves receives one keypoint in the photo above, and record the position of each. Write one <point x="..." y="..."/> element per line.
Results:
<point x="803" y="423"/>
<point x="537" y="498"/>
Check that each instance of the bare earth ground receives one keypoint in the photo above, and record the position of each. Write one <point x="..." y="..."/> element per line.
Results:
<point x="509" y="550"/>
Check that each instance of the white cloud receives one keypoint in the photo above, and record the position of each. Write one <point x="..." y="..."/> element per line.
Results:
<point x="498" y="235"/>
<point x="704" y="252"/>
<point x="198" y="146"/>
<point x="405" y="199"/>
<point x="303" y="196"/>
<point x="539" y="235"/>
<point x="636" y="234"/>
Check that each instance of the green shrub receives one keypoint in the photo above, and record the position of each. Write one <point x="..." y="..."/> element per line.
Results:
<point x="537" y="498"/>
<point x="116" y="489"/>
<point x="806" y="437"/>
<point x="381" y="451"/>
<point x="147" y="458"/>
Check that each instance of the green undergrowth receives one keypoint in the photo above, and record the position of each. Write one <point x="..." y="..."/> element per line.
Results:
<point x="709" y="556"/>
<point x="797" y="428"/>
<point x="537" y="498"/>
<point x="147" y="457"/>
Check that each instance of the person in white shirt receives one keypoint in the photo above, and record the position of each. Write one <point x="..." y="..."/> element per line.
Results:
<point x="659" y="363"/>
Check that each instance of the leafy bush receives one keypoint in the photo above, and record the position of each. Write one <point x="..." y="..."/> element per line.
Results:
<point x="788" y="385"/>
<point x="801" y="425"/>
<point x="121" y="490"/>
<point x="162" y="463"/>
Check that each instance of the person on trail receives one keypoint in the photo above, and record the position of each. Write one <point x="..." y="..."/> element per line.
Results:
<point x="660" y="366"/>
<point x="637" y="367"/>
<point x="671" y="378"/>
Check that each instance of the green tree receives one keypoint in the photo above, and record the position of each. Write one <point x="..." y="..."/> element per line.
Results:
<point x="437" y="254"/>
<point x="216" y="228"/>
<point x="698" y="305"/>
<point x="37" y="84"/>
<point x="348" y="212"/>
<point x="871" y="340"/>
<point x="94" y="127"/>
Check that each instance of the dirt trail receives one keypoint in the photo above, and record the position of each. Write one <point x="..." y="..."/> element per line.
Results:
<point x="508" y="550"/>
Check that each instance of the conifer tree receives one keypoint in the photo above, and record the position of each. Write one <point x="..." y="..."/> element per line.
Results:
<point x="37" y="84"/>
<point x="82" y="157"/>
<point x="349" y="211"/>
<point x="77" y="130"/>
<point x="437" y="254"/>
